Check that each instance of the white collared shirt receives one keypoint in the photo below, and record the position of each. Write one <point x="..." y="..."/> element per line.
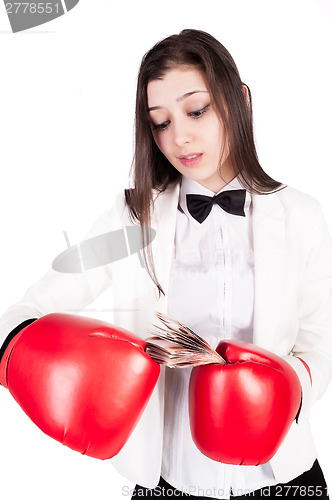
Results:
<point x="211" y="291"/>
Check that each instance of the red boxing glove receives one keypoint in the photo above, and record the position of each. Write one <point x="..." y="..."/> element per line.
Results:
<point x="83" y="382"/>
<point x="241" y="411"/>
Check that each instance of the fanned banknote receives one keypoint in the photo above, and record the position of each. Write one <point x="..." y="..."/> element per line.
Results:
<point x="177" y="346"/>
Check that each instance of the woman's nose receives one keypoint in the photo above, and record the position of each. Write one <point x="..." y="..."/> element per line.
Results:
<point x="182" y="134"/>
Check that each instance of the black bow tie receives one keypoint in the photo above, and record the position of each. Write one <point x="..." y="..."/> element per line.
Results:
<point x="231" y="201"/>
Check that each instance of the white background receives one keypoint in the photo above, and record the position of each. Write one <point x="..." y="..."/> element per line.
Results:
<point x="66" y="130"/>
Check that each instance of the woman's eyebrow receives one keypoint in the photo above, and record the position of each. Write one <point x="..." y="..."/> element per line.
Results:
<point x="179" y="99"/>
<point x="188" y="94"/>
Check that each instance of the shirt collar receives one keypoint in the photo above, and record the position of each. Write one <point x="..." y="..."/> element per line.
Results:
<point x="188" y="186"/>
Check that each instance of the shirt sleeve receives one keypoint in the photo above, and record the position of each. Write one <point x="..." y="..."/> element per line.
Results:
<point x="312" y="352"/>
<point x="65" y="292"/>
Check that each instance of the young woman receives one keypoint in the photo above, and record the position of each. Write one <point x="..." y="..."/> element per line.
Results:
<point x="252" y="264"/>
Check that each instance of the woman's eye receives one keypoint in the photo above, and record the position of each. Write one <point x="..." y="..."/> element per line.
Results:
<point x="160" y="126"/>
<point x="199" y="112"/>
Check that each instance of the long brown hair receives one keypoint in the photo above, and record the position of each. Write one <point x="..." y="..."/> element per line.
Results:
<point x="151" y="169"/>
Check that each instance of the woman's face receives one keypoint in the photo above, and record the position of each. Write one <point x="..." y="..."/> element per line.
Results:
<point x="187" y="129"/>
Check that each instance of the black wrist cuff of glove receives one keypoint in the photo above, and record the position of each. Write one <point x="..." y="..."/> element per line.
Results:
<point x="13" y="333"/>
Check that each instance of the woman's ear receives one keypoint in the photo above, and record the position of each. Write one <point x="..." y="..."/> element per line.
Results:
<point x="245" y="91"/>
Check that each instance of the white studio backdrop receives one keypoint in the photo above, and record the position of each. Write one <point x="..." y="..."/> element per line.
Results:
<point x="67" y="111"/>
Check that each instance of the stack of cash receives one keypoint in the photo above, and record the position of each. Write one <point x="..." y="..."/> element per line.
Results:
<point x="177" y="346"/>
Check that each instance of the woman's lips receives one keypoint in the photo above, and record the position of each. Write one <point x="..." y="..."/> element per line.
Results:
<point x="191" y="159"/>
